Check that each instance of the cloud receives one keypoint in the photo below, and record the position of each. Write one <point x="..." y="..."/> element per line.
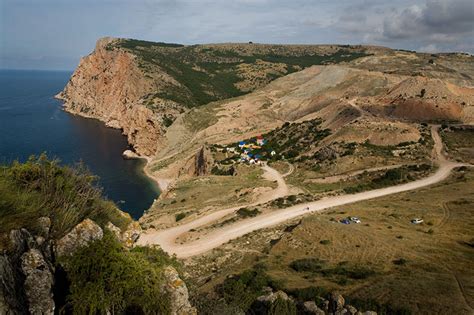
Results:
<point x="431" y="48"/>
<point x="436" y="24"/>
<point x="440" y="20"/>
<point x="67" y="29"/>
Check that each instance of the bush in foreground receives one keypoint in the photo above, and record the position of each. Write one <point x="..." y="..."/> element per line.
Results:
<point x="106" y="278"/>
<point x="43" y="187"/>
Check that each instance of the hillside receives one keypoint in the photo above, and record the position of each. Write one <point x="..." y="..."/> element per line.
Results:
<point x="327" y="122"/>
<point x="357" y="106"/>
<point x="142" y="87"/>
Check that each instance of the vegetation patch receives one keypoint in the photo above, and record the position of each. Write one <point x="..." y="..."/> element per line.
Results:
<point x="104" y="276"/>
<point x="209" y="73"/>
<point x="246" y="213"/>
<point x="180" y="216"/>
<point x="391" y="177"/>
<point x="42" y="187"/>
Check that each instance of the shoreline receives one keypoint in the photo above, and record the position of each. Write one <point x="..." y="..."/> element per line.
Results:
<point x="160" y="183"/>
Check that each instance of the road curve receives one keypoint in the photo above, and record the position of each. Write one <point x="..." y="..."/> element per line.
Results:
<point x="166" y="238"/>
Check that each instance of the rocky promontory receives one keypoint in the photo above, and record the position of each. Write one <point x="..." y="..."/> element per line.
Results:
<point x="109" y="85"/>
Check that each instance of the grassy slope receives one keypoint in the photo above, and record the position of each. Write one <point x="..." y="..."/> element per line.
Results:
<point x="41" y="187"/>
<point x="424" y="268"/>
<point x="207" y="73"/>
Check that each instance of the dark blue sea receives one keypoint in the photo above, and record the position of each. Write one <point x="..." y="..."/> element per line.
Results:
<point x="32" y="122"/>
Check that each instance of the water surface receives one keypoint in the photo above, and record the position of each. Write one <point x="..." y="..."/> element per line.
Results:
<point x="32" y="122"/>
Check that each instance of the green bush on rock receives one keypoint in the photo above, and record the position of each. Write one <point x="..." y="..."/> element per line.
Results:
<point x="104" y="277"/>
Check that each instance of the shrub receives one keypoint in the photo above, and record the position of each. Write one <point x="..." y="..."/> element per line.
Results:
<point x="167" y="121"/>
<point x="245" y="213"/>
<point x="180" y="216"/>
<point x="104" y="277"/>
<point x="400" y="261"/>
<point x="241" y="290"/>
<point x="282" y="307"/>
<point x="308" y="294"/>
<point x="350" y="272"/>
<point x="373" y="305"/>
<point x="324" y="242"/>
<point x="307" y="264"/>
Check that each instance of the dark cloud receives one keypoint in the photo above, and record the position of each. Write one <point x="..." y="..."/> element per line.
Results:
<point x="440" y="20"/>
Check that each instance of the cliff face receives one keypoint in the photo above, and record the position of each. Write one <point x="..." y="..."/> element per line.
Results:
<point x="108" y="85"/>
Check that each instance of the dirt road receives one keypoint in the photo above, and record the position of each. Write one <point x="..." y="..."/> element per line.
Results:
<point x="166" y="238"/>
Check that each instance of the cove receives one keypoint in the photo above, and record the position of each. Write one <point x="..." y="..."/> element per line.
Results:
<point x="32" y="122"/>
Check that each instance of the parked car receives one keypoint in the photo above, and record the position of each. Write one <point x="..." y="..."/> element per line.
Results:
<point x="345" y="221"/>
<point x="355" y="219"/>
<point x="417" y="221"/>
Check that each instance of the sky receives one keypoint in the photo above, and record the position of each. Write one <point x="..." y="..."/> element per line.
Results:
<point x="55" y="34"/>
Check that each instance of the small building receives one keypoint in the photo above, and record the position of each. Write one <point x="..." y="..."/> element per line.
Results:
<point x="272" y="153"/>
<point x="241" y="144"/>
<point x="260" y="140"/>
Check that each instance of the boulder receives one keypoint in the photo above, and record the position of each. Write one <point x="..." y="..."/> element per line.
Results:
<point x="12" y="297"/>
<point x="268" y="302"/>
<point x="336" y="302"/>
<point x="81" y="235"/>
<point x="21" y="241"/>
<point x="369" y="313"/>
<point x="178" y="293"/>
<point x="114" y="229"/>
<point x="129" y="154"/>
<point x="271" y="297"/>
<point x="310" y="308"/>
<point x="131" y="234"/>
<point x="38" y="283"/>
<point x="351" y="309"/>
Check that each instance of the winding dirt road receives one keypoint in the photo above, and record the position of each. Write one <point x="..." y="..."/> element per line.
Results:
<point x="167" y="238"/>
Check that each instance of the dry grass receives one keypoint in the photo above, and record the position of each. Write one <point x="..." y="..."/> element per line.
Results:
<point x="460" y="144"/>
<point x="206" y="193"/>
<point x="436" y="277"/>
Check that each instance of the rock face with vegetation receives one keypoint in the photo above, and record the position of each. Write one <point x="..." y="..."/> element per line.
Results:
<point x="66" y="262"/>
<point x="141" y="87"/>
<point x="81" y="235"/>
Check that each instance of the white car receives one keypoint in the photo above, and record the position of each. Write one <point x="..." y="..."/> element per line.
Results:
<point x="355" y="219"/>
<point x="417" y="221"/>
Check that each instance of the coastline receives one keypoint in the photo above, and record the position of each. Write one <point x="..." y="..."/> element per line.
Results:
<point x="160" y="183"/>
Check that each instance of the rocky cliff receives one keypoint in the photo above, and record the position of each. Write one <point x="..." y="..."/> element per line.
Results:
<point x="109" y="85"/>
<point x="141" y="87"/>
<point x="33" y="277"/>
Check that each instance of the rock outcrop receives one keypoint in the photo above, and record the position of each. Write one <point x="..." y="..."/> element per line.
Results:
<point x="26" y="275"/>
<point x="201" y="163"/>
<point x="81" y="235"/>
<point x="127" y="237"/>
<point x="310" y="308"/>
<point x="29" y="271"/>
<point x="38" y="283"/>
<point x="178" y="292"/>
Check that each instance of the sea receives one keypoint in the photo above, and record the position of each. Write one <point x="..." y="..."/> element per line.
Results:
<point x="32" y="122"/>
